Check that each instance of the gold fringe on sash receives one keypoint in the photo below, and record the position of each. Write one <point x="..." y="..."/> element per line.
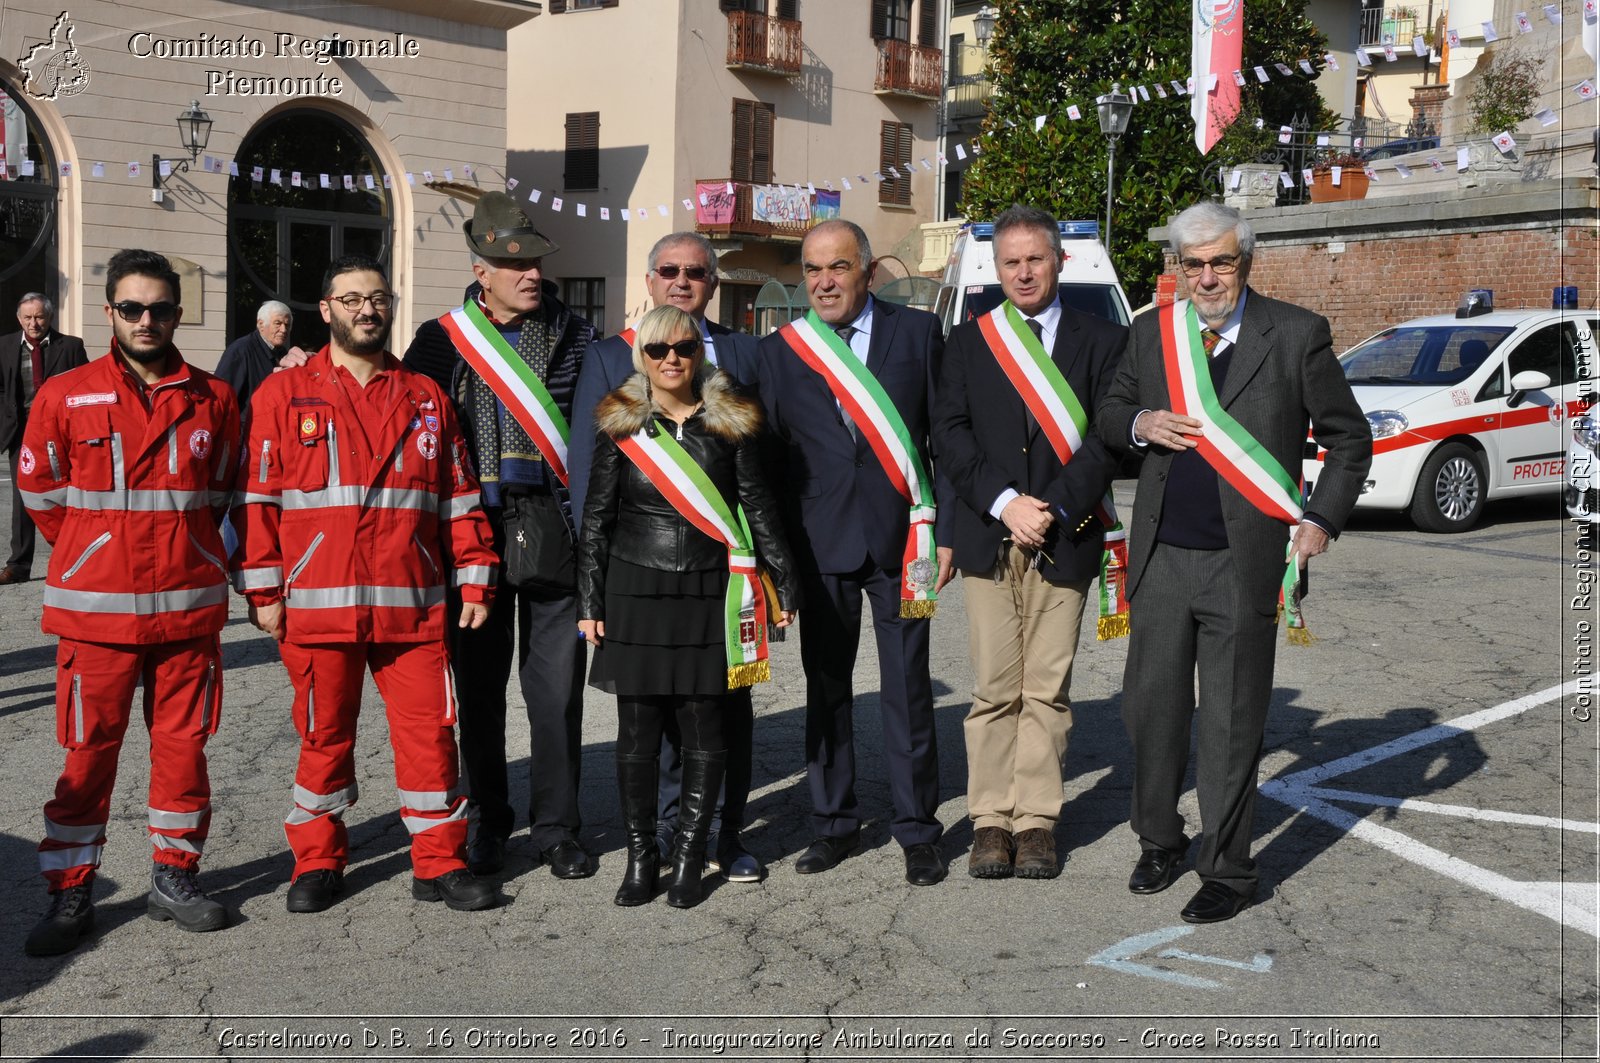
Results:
<point x="749" y="674"/>
<point x="912" y="609"/>
<point x="1112" y="627"/>
<point x="1300" y="636"/>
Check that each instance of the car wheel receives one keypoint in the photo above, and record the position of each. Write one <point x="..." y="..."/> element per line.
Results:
<point x="1451" y="491"/>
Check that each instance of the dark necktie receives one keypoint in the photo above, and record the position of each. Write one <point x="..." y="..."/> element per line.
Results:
<point x="1038" y="332"/>
<point x="845" y="332"/>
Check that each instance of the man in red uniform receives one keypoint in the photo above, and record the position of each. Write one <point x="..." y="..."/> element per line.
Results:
<point x="126" y="467"/>
<point x="356" y="502"/>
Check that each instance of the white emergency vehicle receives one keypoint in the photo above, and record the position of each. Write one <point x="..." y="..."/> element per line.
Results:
<point x="1468" y="408"/>
<point x="971" y="288"/>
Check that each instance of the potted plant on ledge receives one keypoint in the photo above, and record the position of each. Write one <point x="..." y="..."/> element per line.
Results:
<point x="1351" y="174"/>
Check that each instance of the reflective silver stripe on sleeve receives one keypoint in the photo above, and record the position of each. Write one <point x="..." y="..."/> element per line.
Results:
<point x="161" y="819"/>
<point x="334" y="802"/>
<point x="83" y="558"/>
<point x="55" y="460"/>
<point x="266" y="449"/>
<point x="138" y="501"/>
<point x="333" y="455"/>
<point x="380" y="597"/>
<point x="62" y="859"/>
<point x="77" y="706"/>
<point x="483" y="575"/>
<point x="258" y="579"/>
<point x="162" y="841"/>
<point x="45" y="499"/>
<point x="457" y="506"/>
<point x="172" y="450"/>
<point x="426" y="800"/>
<point x="119" y="472"/>
<point x="135" y="604"/>
<point x="356" y="495"/>
<point x="84" y="834"/>
<point x="207" y="554"/>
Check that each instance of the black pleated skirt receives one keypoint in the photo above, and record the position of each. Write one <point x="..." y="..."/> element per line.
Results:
<point x="664" y="632"/>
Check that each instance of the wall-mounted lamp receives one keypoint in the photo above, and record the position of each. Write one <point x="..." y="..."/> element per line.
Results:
<point x="194" y="133"/>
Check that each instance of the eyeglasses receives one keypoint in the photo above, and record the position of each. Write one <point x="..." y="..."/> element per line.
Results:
<point x="1222" y="265"/>
<point x="693" y="273"/>
<point x="131" y="311"/>
<point x="684" y="349"/>
<point x="380" y="301"/>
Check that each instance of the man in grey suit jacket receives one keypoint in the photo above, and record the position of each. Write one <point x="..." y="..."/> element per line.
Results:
<point x="1206" y="562"/>
<point x="27" y="359"/>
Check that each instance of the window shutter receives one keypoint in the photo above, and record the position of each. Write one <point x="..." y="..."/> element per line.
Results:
<point x="739" y="167"/>
<point x="894" y="149"/>
<point x="928" y="26"/>
<point x="583" y="151"/>
<point x="880" y="19"/>
<point x="761" y="145"/>
<point x="558" y="7"/>
<point x="789" y="9"/>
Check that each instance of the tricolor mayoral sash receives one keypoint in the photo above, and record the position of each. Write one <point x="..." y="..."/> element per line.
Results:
<point x="1063" y="420"/>
<point x="1236" y="455"/>
<point x="686" y="486"/>
<point x="876" y="418"/>
<point x="513" y="382"/>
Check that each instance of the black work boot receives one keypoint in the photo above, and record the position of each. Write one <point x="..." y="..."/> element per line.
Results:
<point x="702" y="779"/>
<point x="175" y="894"/>
<point x="636" y="782"/>
<point x="69" y="920"/>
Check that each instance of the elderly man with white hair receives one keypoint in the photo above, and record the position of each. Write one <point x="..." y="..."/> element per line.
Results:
<point x="253" y="357"/>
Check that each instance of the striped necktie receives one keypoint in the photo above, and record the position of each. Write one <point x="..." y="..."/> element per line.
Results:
<point x="845" y="332"/>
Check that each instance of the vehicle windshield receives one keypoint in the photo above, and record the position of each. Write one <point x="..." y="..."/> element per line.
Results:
<point x="1097" y="299"/>
<point x="1434" y="354"/>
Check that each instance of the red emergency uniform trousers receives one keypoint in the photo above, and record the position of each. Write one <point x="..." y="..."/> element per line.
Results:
<point x="94" y="700"/>
<point x="414" y="681"/>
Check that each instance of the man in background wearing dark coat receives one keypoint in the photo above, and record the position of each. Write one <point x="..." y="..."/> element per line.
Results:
<point x="253" y="357"/>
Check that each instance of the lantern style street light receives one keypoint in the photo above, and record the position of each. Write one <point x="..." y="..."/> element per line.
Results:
<point x="1115" y="110"/>
<point x="194" y="133"/>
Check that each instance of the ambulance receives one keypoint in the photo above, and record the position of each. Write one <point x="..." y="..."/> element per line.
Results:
<point x="971" y="288"/>
<point x="1470" y="407"/>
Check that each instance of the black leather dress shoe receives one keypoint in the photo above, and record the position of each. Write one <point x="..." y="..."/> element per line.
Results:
<point x="568" y="860"/>
<point x="1155" y="870"/>
<point x="826" y="852"/>
<point x="486" y="855"/>
<point x="1213" y="903"/>
<point x="924" y="865"/>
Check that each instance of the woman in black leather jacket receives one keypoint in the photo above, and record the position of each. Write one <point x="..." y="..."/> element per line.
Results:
<point x="651" y="586"/>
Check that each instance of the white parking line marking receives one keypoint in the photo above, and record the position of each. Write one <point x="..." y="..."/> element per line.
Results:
<point x="1411" y="804"/>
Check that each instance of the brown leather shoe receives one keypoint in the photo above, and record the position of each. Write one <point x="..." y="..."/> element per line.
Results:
<point x="1036" y="854"/>
<point x="991" y="853"/>
<point x="13" y="575"/>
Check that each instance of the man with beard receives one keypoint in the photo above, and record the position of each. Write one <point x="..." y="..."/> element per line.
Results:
<point x="509" y="359"/>
<point x="126" y="467"/>
<point x="357" y="499"/>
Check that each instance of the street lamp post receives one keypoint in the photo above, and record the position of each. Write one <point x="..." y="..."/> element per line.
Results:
<point x="1115" y="110"/>
<point x="194" y="132"/>
<point x="983" y="26"/>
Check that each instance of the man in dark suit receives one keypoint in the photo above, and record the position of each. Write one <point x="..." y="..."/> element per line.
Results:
<point x="1028" y="541"/>
<point x="27" y="359"/>
<point x="852" y="535"/>
<point x="1211" y="529"/>
<point x="681" y="271"/>
<point x="253" y="357"/>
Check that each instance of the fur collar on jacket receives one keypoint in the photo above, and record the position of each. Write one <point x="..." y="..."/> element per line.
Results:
<point x="724" y="412"/>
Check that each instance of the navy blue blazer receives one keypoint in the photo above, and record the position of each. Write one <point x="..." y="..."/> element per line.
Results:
<point x="848" y="511"/>
<point x="609" y="362"/>
<point x="987" y="443"/>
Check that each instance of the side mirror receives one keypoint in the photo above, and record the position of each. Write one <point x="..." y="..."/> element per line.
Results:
<point x="1524" y="382"/>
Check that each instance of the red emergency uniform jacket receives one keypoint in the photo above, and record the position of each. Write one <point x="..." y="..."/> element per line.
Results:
<point x="130" y="497"/>
<point x="356" y="522"/>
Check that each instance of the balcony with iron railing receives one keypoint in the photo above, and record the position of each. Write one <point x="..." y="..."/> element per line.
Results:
<point x="754" y="210"/>
<point x="764" y="43"/>
<point x="906" y="69"/>
<point x="966" y="99"/>
<point x="1396" y="25"/>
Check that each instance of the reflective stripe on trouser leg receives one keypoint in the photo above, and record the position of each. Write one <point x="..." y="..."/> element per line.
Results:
<point x="411" y="678"/>
<point x="182" y="692"/>
<point x="94" y="694"/>
<point x="325" y="784"/>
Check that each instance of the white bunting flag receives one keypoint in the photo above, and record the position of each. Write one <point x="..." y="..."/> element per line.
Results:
<point x="1238" y="78"/>
<point x="534" y="194"/>
<point x="427" y="176"/>
<point x="1419" y="47"/>
<point x="1338" y="175"/>
<point x="1288" y="182"/>
<point x="1038" y="125"/>
<point x="662" y="209"/>
<point x="924" y="163"/>
<point x="1434" y="164"/>
<point x="1488" y="33"/>
<point x="1463" y="160"/>
<point x="133" y="169"/>
<point x="1284" y="134"/>
<point x="1261" y="123"/>
<point x="411" y="179"/>
<point x="448" y="176"/>
<point x="977" y="147"/>
<point x="895" y="173"/>
<point x="1524" y="23"/>
<point x="1505" y="142"/>
<point x="705" y="200"/>
<point x="1362" y="58"/>
<point x="555" y="204"/>
<point x="97" y="169"/>
<point x="65" y="169"/>
<point x="166" y="168"/>
<point x="324" y="181"/>
<point x="961" y="153"/>
<point x="1306" y="176"/>
<point x="466" y="170"/>
<point x="1389" y="54"/>
<point x="1591" y="11"/>
<point x="233" y="168"/>
<point x="349" y="183"/>
<point x="1372" y="175"/>
<point x="605" y="213"/>
<point x="1357" y="144"/>
<point x="729" y="188"/>
<point x="1403" y="170"/>
<point x="208" y="164"/>
<point x="1073" y="112"/>
<point x="277" y="177"/>
<point x="688" y="205"/>
<point x="1553" y="13"/>
<point x="1332" y="60"/>
<point x="1546" y="116"/>
<point x="944" y="160"/>
<point x="845" y="183"/>
<point x="1211" y="82"/>
<point x="1306" y="67"/>
<point x="1322" y="140"/>
<point x="811" y="189"/>
<point x="1161" y="90"/>
<point x="256" y="174"/>
<point x="370" y="183"/>
<point x="1185" y="88"/>
<point x="511" y="184"/>
<point x="1144" y="93"/>
<point x="1585" y="89"/>
<point x="1234" y="178"/>
<point x="1261" y="75"/>
<point x="1452" y="38"/>
<point x="1284" y="70"/>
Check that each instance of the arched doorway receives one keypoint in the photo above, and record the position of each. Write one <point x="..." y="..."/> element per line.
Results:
<point x="281" y="237"/>
<point x="28" y="188"/>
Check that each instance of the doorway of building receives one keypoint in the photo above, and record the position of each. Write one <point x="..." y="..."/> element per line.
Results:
<point x="28" y="187"/>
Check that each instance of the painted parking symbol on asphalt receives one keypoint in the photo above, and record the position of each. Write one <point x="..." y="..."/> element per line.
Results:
<point x="1119" y="957"/>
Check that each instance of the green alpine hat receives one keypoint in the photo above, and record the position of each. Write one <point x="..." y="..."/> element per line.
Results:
<point x="500" y="229"/>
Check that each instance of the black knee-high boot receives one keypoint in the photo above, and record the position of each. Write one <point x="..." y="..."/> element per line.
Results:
<point x="636" y="779"/>
<point x="702" y="779"/>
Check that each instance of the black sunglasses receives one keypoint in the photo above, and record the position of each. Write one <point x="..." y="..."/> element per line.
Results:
<point x="685" y="349"/>
<point x="131" y="311"/>
<point x="694" y="273"/>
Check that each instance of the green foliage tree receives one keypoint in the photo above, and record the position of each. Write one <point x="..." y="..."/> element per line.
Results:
<point x="1046" y="54"/>
<point x="1505" y="93"/>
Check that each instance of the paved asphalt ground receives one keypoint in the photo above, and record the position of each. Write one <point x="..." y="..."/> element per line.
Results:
<point x="1427" y="834"/>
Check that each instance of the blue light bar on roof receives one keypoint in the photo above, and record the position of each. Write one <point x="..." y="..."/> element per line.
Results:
<point x="1070" y="230"/>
